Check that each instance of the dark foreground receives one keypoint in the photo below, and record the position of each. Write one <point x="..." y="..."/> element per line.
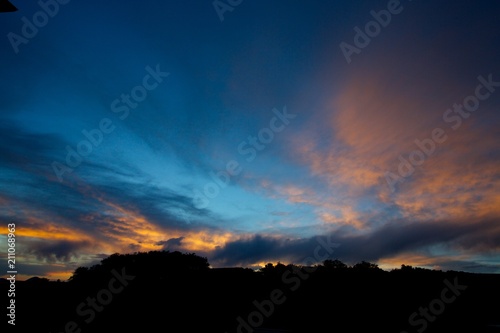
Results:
<point x="174" y="292"/>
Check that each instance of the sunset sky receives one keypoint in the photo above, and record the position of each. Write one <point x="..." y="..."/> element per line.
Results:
<point x="243" y="133"/>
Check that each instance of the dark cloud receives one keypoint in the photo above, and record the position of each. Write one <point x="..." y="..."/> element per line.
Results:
<point x="57" y="251"/>
<point x="24" y="150"/>
<point x="395" y="238"/>
<point x="471" y="266"/>
<point x="26" y="157"/>
<point x="258" y="248"/>
<point x="172" y="243"/>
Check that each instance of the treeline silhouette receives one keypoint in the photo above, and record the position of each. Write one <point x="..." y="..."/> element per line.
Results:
<point x="162" y="291"/>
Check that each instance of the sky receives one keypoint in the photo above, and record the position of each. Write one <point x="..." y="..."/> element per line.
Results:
<point x="249" y="132"/>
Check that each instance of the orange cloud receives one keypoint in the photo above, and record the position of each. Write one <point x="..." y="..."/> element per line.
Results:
<point x="203" y="241"/>
<point x="375" y="117"/>
<point x="52" y="232"/>
<point x="418" y="260"/>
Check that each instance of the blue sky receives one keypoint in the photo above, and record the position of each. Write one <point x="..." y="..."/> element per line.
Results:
<point x="328" y="134"/>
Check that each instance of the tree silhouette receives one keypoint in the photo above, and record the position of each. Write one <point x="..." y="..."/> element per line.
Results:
<point x="365" y="266"/>
<point x="173" y="289"/>
<point x="334" y="265"/>
<point x="157" y="264"/>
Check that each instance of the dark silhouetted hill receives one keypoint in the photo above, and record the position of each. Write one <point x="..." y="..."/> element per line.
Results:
<point x="173" y="292"/>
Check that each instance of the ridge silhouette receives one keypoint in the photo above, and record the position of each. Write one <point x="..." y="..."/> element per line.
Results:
<point x="174" y="291"/>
